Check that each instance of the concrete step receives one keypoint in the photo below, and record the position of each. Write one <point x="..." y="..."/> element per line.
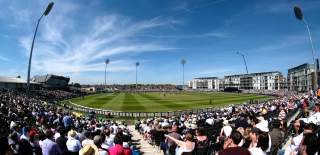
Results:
<point x="144" y="147"/>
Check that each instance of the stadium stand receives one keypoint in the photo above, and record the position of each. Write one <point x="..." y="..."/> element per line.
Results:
<point x="263" y="129"/>
<point x="52" y="82"/>
<point x="16" y="83"/>
<point x="36" y="125"/>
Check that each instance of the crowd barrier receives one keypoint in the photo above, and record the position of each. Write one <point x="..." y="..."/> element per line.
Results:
<point x="80" y="108"/>
<point x="76" y="107"/>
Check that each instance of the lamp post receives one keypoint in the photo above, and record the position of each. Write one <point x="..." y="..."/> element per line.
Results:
<point x="45" y="13"/>
<point x="105" y="73"/>
<point x="245" y="62"/>
<point x="137" y="64"/>
<point x="299" y="16"/>
<point x="183" y="62"/>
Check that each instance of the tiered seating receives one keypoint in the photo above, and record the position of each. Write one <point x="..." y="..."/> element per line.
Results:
<point x="218" y="125"/>
<point x="34" y="124"/>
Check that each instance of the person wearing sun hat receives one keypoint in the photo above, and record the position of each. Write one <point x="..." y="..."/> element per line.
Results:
<point x="263" y="126"/>
<point x="226" y="131"/>
<point x="73" y="144"/>
<point x="89" y="149"/>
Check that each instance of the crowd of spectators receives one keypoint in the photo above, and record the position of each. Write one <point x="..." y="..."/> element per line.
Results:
<point x="253" y="128"/>
<point x="34" y="124"/>
<point x="145" y="88"/>
<point x="271" y="92"/>
<point x="55" y="95"/>
<point x="31" y="125"/>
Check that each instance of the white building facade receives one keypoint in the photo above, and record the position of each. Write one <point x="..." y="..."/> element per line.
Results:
<point x="232" y="81"/>
<point x="269" y="81"/>
<point x="209" y="83"/>
<point x="302" y="78"/>
<point x="254" y="81"/>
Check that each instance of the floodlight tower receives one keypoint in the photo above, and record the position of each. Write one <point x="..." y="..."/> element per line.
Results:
<point x="105" y="72"/>
<point x="298" y="13"/>
<point x="45" y="13"/>
<point x="137" y="65"/>
<point x="183" y="62"/>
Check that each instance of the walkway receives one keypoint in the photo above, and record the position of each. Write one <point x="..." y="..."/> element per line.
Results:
<point x="144" y="147"/>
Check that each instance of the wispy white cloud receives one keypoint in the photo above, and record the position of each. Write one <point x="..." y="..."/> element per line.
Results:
<point x="58" y="49"/>
<point x="215" y="34"/>
<point x="2" y="58"/>
<point x="25" y="43"/>
<point x="219" y="35"/>
<point x="65" y="68"/>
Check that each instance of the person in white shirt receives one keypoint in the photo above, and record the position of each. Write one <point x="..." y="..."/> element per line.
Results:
<point x="165" y="123"/>
<point x="108" y="140"/>
<point x="314" y="117"/>
<point x="87" y="140"/>
<point x="73" y="144"/>
<point x="183" y="146"/>
<point x="114" y="128"/>
<point x="56" y="136"/>
<point x="261" y="145"/>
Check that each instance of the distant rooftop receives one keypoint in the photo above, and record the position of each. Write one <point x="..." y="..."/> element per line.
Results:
<point x="252" y="74"/>
<point x="303" y="66"/>
<point x="204" y="78"/>
<point x="4" y="79"/>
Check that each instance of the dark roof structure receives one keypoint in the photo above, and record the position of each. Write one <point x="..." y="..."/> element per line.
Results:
<point x="4" y="79"/>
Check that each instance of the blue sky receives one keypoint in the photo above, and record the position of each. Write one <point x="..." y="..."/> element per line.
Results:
<point x="77" y="35"/>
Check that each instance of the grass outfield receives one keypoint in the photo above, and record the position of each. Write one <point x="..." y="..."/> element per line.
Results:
<point x="161" y="102"/>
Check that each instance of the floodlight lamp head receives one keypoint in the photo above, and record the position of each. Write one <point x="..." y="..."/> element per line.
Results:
<point x="48" y="9"/>
<point x="298" y="12"/>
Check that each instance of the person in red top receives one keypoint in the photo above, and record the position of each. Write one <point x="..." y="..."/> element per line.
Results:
<point x="126" y="149"/>
<point x="305" y="103"/>
<point x="231" y="147"/>
<point x="117" y="149"/>
<point x="305" y="106"/>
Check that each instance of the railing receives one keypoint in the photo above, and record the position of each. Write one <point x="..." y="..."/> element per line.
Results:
<point x="76" y="107"/>
<point x="80" y="108"/>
